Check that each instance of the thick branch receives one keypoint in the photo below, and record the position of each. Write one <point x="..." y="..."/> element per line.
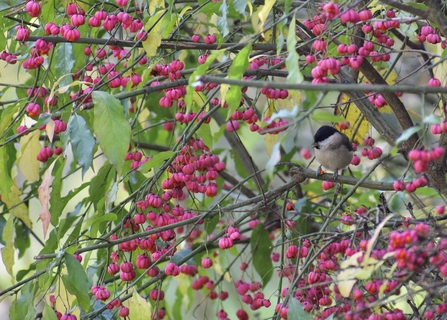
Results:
<point x="414" y="11"/>
<point x="186" y="45"/>
<point x="395" y="103"/>
<point x="301" y="174"/>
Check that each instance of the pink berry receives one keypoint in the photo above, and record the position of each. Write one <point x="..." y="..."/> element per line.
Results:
<point x="434" y="82"/>
<point x="306" y="154"/>
<point x="326" y="185"/>
<point x="123" y="312"/>
<point x="207" y="263"/>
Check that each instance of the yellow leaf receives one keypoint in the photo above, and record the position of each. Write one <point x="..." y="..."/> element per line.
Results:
<point x="153" y="40"/>
<point x="223" y="92"/>
<point x="44" y="198"/>
<point x="345" y="282"/>
<point x="265" y="10"/>
<point x="64" y="297"/>
<point x="346" y="278"/>
<point x="212" y="29"/>
<point x="373" y="239"/>
<point x="359" y="125"/>
<point x="139" y="308"/>
<point x="270" y="140"/>
<point x="255" y="22"/>
<point x="17" y="207"/>
<point x="250" y="7"/>
<point x="154" y="4"/>
<point x="351" y="261"/>
<point x="184" y="10"/>
<point x="199" y="98"/>
<point x="270" y="109"/>
<point x="49" y="128"/>
<point x="295" y="98"/>
<point x="27" y="161"/>
<point x="8" y="249"/>
<point x="143" y="116"/>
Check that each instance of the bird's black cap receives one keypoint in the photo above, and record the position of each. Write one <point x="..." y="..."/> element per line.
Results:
<point x="323" y="133"/>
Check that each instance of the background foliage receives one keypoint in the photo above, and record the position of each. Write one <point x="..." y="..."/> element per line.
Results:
<point x="153" y="159"/>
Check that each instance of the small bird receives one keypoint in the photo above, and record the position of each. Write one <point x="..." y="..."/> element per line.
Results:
<point x="333" y="149"/>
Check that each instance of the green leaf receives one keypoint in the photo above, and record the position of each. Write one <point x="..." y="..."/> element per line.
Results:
<point x="48" y="313"/>
<point x="23" y="307"/>
<point x="210" y="224"/>
<point x="324" y="116"/>
<point x="168" y="23"/>
<point x="199" y="72"/>
<point x="180" y="255"/>
<point x="2" y="229"/>
<point x="279" y="44"/>
<point x="444" y="53"/>
<point x="8" y="250"/>
<point x="432" y="119"/>
<point x="76" y="281"/>
<point x="204" y="132"/>
<point x="297" y="312"/>
<point x="69" y="221"/>
<point x="8" y="189"/>
<point x="69" y="196"/>
<point x="22" y="240"/>
<point x="408" y="133"/>
<point x="50" y="247"/>
<point x="111" y="128"/>
<point x="111" y="196"/>
<point x="64" y="63"/>
<point x="287" y="6"/>
<point x="261" y="246"/>
<point x="82" y="141"/>
<point x="99" y="186"/>
<point x="177" y="306"/>
<point x="56" y="203"/>
<point x="238" y="67"/>
<point x="222" y="21"/>
<point x="292" y="65"/>
<point x="22" y="273"/>
<point x="2" y="39"/>
<point x="417" y="5"/>
<point x="106" y="217"/>
<point x="48" y="10"/>
<point x="156" y="161"/>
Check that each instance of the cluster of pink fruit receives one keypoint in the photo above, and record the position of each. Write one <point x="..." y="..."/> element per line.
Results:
<point x="136" y="158"/>
<point x="413" y="249"/>
<point x="191" y="169"/>
<point x="33" y="110"/>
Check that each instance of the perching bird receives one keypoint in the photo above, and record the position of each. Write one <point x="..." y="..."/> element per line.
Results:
<point x="333" y="149"/>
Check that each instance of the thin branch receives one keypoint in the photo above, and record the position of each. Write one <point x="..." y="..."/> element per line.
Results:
<point x="323" y="87"/>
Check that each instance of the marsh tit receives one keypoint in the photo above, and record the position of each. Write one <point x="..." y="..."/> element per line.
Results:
<point x="333" y="149"/>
